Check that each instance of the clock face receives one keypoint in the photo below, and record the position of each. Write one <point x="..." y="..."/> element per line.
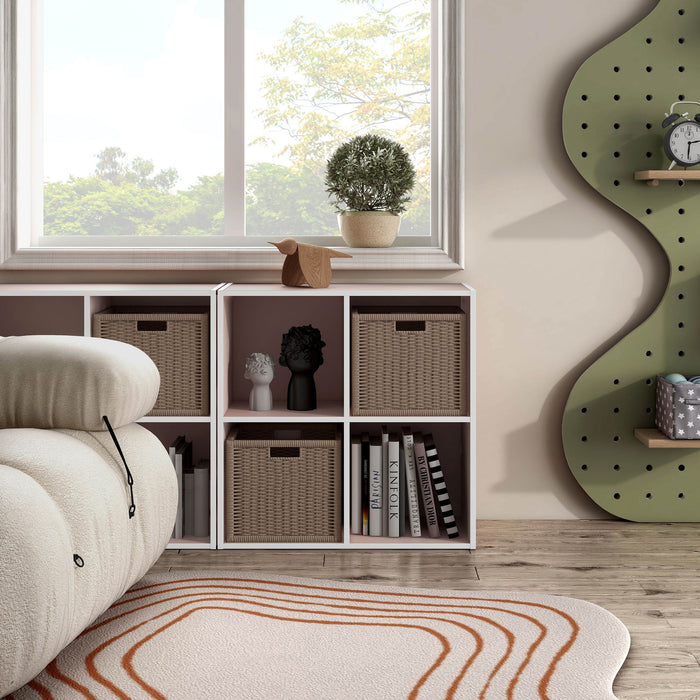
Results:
<point x="682" y="143"/>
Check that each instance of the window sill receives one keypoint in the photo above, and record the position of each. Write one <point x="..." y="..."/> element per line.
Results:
<point x="262" y="258"/>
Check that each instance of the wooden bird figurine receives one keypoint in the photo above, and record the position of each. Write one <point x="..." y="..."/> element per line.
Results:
<point x="306" y="264"/>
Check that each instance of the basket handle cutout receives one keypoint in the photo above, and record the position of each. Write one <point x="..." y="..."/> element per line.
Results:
<point x="410" y="325"/>
<point x="287" y="434"/>
<point x="151" y="325"/>
<point x="284" y="452"/>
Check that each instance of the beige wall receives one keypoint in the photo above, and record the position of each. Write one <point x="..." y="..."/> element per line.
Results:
<point x="560" y="273"/>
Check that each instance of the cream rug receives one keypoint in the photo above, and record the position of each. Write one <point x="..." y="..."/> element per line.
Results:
<point x="230" y="636"/>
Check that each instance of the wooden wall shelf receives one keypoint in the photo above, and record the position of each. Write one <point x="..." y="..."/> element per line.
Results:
<point x="652" y="177"/>
<point x="654" y="438"/>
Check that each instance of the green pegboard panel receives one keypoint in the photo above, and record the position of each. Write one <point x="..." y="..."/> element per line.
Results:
<point x="612" y="128"/>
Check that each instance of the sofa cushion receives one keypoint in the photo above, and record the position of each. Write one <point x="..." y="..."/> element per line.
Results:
<point x="61" y="381"/>
<point x="64" y="493"/>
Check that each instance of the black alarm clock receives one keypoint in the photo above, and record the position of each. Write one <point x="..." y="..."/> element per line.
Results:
<point x="682" y="140"/>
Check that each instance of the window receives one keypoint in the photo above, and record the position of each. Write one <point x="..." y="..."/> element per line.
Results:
<point x="196" y="134"/>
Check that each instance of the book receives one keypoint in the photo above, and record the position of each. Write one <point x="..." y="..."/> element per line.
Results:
<point x="425" y="488"/>
<point x="385" y="480"/>
<point x="187" y="500"/>
<point x="444" y="505"/>
<point x="364" y="453"/>
<point x="376" y="502"/>
<point x="201" y="513"/>
<point x="412" y="497"/>
<point x="402" y="491"/>
<point x="394" y="476"/>
<point x="356" y="484"/>
<point x="173" y="447"/>
<point x="175" y="452"/>
<point x="184" y="451"/>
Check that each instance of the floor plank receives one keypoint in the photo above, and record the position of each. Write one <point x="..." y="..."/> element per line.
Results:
<point x="648" y="574"/>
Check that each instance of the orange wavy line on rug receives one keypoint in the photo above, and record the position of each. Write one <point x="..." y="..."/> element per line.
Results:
<point x="94" y="673"/>
<point x="231" y="654"/>
<point x="53" y="670"/>
<point x="545" y="679"/>
<point x="414" y="693"/>
<point x="510" y="637"/>
<point x="477" y="637"/>
<point x="43" y="692"/>
<point x="402" y="611"/>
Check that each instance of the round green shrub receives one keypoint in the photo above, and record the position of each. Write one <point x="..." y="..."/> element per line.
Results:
<point x="370" y="173"/>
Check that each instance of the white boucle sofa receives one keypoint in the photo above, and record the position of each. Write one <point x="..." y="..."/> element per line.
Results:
<point x="74" y="533"/>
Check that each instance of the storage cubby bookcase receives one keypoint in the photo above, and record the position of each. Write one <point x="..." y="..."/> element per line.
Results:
<point x="69" y="309"/>
<point x="247" y="318"/>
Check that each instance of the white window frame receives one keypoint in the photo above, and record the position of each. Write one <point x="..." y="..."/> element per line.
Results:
<point x="447" y="251"/>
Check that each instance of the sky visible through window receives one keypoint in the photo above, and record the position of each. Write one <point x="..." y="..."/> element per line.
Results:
<point x="134" y="110"/>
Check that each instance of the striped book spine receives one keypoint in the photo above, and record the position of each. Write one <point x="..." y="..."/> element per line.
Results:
<point x="441" y="495"/>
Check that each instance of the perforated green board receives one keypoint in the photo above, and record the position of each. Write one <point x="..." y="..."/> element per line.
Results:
<point x="612" y="128"/>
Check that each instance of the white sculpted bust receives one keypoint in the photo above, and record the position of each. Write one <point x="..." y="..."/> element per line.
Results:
<point x="260" y="369"/>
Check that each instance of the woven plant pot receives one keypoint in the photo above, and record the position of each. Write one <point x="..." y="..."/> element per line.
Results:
<point x="369" y="229"/>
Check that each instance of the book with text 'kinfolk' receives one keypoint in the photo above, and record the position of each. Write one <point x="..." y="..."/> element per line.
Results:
<point x="425" y="487"/>
<point x="376" y="501"/>
<point x="444" y="505"/>
<point x="412" y="497"/>
<point x="356" y="484"/>
<point x="394" y="486"/>
<point x="364" y="454"/>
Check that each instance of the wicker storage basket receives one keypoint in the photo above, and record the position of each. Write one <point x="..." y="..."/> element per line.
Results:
<point x="409" y="361"/>
<point x="177" y="340"/>
<point x="283" y="483"/>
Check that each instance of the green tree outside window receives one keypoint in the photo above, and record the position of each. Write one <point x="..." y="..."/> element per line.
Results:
<point x="325" y="84"/>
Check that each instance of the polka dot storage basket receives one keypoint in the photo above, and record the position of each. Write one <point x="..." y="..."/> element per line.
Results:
<point x="678" y="409"/>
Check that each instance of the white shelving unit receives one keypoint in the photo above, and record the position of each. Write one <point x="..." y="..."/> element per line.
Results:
<point x="67" y="310"/>
<point x="247" y="318"/>
<point x="253" y="317"/>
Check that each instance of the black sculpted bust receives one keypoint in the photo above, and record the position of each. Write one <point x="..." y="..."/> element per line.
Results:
<point x="302" y="354"/>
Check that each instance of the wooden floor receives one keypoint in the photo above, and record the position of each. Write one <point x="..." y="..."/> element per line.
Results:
<point x="646" y="574"/>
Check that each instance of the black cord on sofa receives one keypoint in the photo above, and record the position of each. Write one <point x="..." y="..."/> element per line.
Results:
<point x="129" y="478"/>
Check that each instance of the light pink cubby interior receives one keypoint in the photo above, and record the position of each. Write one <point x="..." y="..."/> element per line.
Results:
<point x="452" y="443"/>
<point x="197" y="433"/>
<point x="59" y="315"/>
<point x="257" y="324"/>
<point x="100" y="303"/>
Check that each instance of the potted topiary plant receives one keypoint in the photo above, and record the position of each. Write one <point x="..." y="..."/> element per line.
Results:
<point x="369" y="179"/>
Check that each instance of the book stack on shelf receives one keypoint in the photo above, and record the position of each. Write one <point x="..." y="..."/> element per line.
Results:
<point x="398" y="487"/>
<point x="192" y="518"/>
